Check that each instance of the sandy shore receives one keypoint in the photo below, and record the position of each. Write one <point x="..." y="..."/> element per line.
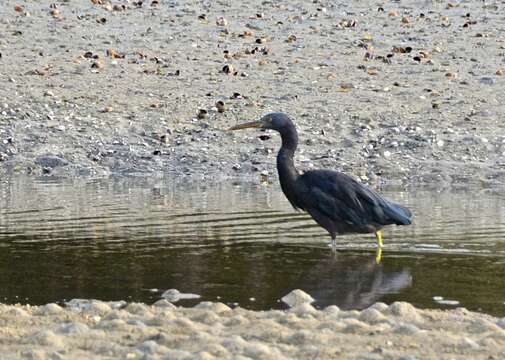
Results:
<point x="94" y="329"/>
<point x="404" y="93"/>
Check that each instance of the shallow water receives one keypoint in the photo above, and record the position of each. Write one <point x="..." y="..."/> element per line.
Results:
<point x="241" y="244"/>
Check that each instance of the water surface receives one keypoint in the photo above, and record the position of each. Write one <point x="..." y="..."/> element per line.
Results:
<point x="241" y="244"/>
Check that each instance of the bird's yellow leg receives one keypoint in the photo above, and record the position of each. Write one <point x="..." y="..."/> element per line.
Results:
<point x="378" y="256"/>
<point x="378" y="236"/>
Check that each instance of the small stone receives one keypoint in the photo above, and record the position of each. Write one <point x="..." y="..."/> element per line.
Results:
<point x="50" y="161"/>
<point x="297" y="297"/>
<point x="228" y="69"/>
<point x="332" y="310"/>
<point x="137" y="308"/>
<point x="221" y="21"/>
<point x="486" y="80"/>
<point x="148" y="347"/>
<point x="202" y="114"/>
<point x="216" y="307"/>
<point x="46" y="338"/>
<point x="220" y="106"/>
<point x="48" y="309"/>
<point x="303" y="309"/>
<point x="467" y="343"/>
<point x="164" y="303"/>
<point x="354" y="326"/>
<point x="73" y="328"/>
<point x="17" y="312"/>
<point x="404" y="310"/>
<point x="406" y="329"/>
<point x="379" y="306"/>
<point x="174" y="295"/>
<point x="483" y="325"/>
<point x="371" y="316"/>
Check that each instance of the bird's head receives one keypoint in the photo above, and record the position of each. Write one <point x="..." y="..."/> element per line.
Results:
<point x="274" y="121"/>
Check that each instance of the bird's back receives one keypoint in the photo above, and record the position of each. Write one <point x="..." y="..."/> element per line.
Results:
<point x="348" y="203"/>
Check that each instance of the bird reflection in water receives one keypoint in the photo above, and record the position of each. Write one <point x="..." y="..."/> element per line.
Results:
<point x="352" y="281"/>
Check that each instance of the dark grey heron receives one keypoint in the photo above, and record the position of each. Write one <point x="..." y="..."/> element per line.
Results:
<point x="336" y="201"/>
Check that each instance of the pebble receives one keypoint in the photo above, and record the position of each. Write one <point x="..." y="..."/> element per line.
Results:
<point x="164" y="303"/>
<point x="371" y="316"/>
<point x="379" y="306"/>
<point x="48" y="309"/>
<point x="174" y="295"/>
<point x="50" y="161"/>
<point x="303" y="309"/>
<point x="406" y="329"/>
<point x="486" y="80"/>
<point x="178" y="355"/>
<point x="46" y="338"/>
<point x="216" y="307"/>
<point x="404" y="310"/>
<point x="114" y="324"/>
<point x="138" y="309"/>
<point x="354" y="326"/>
<point x="17" y="312"/>
<point x="466" y="343"/>
<point x="482" y="325"/>
<point x="297" y="297"/>
<point x="73" y="328"/>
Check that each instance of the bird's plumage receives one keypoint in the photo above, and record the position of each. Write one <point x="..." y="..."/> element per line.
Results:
<point x="350" y="205"/>
<point x="336" y="201"/>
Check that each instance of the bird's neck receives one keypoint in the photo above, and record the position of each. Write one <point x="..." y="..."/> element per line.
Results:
<point x="285" y="159"/>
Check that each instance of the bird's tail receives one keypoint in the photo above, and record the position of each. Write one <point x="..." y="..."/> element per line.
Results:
<point x="399" y="215"/>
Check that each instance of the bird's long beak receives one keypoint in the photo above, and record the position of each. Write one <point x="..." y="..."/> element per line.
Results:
<point x="253" y="124"/>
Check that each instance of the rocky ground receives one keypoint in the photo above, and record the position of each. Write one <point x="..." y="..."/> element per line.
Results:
<point x="406" y="92"/>
<point x="93" y="329"/>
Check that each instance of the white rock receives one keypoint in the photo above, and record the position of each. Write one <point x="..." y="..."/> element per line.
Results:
<point x="174" y="295"/>
<point x="48" y="309"/>
<point x="467" y="343"/>
<point x="164" y="303"/>
<point x="73" y="328"/>
<point x="297" y="297"/>
<point x="331" y="310"/>
<point x="216" y="307"/>
<point x="406" y="329"/>
<point x="371" y="316"/>
<point x="354" y="326"/>
<point x="46" y="338"/>
<point x="137" y="308"/>
<point x="379" y="306"/>
<point x="148" y="347"/>
<point x="483" y="325"/>
<point x="17" y="312"/>
<point x="501" y="323"/>
<point x="178" y="355"/>
<point x="303" y="309"/>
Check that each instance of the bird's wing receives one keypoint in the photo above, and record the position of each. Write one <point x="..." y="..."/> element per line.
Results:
<point x="342" y="198"/>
